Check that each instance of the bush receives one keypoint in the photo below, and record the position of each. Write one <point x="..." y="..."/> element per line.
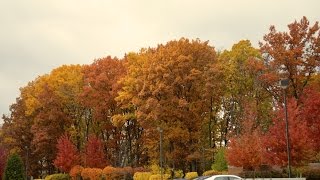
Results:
<point x="112" y="173"/>
<point x="139" y="169"/>
<point x="91" y="174"/>
<point x="158" y="177"/>
<point x="58" y="177"/>
<point x="14" y="168"/>
<point x="128" y="173"/>
<point x="211" y="173"/>
<point x="191" y="175"/>
<point x="75" y="172"/>
<point x="142" y="175"/>
<point x="117" y="173"/>
<point x="178" y="174"/>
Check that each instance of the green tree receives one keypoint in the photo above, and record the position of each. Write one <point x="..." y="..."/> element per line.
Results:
<point x="241" y="68"/>
<point x="14" y="168"/>
<point x="220" y="162"/>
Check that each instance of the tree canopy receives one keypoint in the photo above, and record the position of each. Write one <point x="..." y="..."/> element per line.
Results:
<point x="200" y="98"/>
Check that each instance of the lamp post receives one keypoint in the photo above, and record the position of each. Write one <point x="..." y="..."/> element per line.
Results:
<point x="27" y="157"/>
<point x="284" y="83"/>
<point x="24" y="140"/>
<point x="161" y="133"/>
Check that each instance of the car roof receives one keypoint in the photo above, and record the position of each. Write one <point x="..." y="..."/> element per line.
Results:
<point x="225" y="175"/>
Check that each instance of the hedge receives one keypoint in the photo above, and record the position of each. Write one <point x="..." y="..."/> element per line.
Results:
<point x="141" y="176"/>
<point x="58" y="177"/>
<point x="191" y="175"/>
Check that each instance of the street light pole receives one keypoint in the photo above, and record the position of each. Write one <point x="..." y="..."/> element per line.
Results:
<point x="161" y="162"/>
<point x="284" y="83"/>
<point x="27" y="158"/>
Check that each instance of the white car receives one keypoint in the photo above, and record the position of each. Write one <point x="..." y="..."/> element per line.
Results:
<point x="224" y="177"/>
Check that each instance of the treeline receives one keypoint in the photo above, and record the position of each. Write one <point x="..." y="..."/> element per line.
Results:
<point x="199" y="98"/>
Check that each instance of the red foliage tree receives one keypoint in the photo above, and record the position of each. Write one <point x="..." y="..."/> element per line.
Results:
<point x="310" y="113"/>
<point x="293" y="55"/>
<point x="67" y="155"/>
<point x="301" y="148"/>
<point x="94" y="154"/>
<point x="246" y="150"/>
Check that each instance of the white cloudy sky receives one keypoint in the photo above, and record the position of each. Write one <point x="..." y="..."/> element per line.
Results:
<point x="39" y="35"/>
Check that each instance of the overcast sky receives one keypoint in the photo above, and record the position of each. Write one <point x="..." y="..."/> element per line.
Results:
<point x="37" y="36"/>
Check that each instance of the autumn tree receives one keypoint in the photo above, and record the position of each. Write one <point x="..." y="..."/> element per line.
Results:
<point x="3" y="160"/>
<point x="94" y="156"/>
<point x="310" y="113"/>
<point x="246" y="149"/>
<point x="52" y="101"/>
<point x="128" y="98"/>
<point x="101" y="88"/>
<point x="66" y="83"/>
<point x="67" y="155"/>
<point x="16" y="135"/>
<point x="241" y="68"/>
<point x="301" y="148"/>
<point x="169" y="92"/>
<point x="50" y="124"/>
<point x="293" y="55"/>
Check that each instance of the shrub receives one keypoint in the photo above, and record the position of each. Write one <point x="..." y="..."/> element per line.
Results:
<point x="58" y="177"/>
<point x="191" y="175"/>
<point x="155" y="168"/>
<point x="211" y="173"/>
<point x="108" y="172"/>
<point x="178" y="174"/>
<point x="139" y="169"/>
<point x="128" y="172"/>
<point x="117" y="173"/>
<point x="14" y="168"/>
<point x="75" y="172"/>
<point x="142" y="175"/>
<point x="91" y="174"/>
<point x="158" y="177"/>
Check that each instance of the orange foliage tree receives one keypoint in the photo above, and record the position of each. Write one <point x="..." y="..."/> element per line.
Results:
<point x="169" y="95"/>
<point x="99" y="93"/>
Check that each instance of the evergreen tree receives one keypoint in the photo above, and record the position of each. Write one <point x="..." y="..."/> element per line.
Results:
<point x="14" y="168"/>
<point x="220" y="162"/>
